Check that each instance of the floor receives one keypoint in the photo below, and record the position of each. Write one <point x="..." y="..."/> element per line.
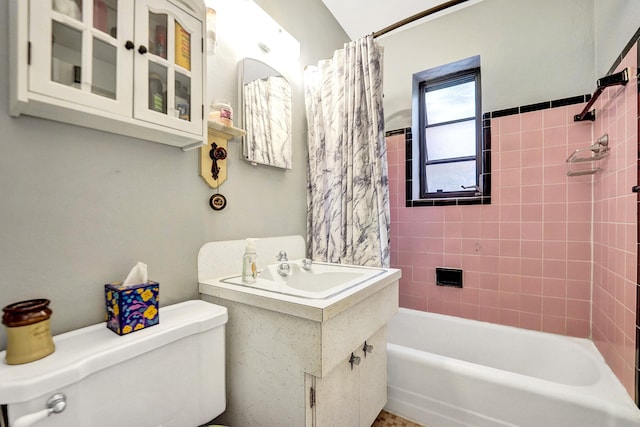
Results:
<point x="387" y="419"/>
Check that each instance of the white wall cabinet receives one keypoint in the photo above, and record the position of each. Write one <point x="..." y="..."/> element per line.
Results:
<point x="131" y="68"/>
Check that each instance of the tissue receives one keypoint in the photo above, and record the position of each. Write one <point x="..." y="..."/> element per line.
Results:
<point x="133" y="304"/>
<point x="137" y="275"/>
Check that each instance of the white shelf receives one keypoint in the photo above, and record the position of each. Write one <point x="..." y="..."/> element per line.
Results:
<point x="232" y="131"/>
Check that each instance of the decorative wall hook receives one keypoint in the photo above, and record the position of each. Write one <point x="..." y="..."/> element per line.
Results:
<point x="213" y="156"/>
<point x="216" y="153"/>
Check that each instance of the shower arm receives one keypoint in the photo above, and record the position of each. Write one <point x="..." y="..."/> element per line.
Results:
<point x="621" y="78"/>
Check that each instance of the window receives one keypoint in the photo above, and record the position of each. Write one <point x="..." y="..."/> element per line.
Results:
<point x="447" y="128"/>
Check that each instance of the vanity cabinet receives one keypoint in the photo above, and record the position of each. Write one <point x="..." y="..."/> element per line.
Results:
<point x="134" y="68"/>
<point x="288" y="358"/>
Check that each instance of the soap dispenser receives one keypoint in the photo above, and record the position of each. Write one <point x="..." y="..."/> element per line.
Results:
<point x="249" y="268"/>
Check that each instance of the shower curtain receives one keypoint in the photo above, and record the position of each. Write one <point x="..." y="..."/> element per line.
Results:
<point x="347" y="186"/>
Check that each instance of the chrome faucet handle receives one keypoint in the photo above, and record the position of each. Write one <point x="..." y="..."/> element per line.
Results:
<point x="284" y="269"/>
<point x="282" y="256"/>
<point x="306" y="264"/>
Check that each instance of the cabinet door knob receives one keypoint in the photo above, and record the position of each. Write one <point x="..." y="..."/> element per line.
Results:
<point x="367" y="348"/>
<point x="142" y="49"/>
<point x="354" y="360"/>
<point x="129" y="45"/>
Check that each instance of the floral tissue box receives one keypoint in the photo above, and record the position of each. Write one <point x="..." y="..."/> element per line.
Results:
<point x="131" y="308"/>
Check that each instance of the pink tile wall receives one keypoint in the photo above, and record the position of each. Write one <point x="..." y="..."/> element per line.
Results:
<point x="615" y="228"/>
<point x="527" y="256"/>
<point x="531" y="257"/>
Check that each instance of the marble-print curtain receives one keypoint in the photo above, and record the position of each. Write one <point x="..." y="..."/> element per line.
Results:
<point x="348" y="188"/>
<point x="267" y="120"/>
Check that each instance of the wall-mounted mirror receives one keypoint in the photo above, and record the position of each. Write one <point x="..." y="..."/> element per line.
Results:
<point x="266" y="114"/>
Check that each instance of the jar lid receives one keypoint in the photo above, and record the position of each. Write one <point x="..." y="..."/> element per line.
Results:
<point x="27" y="312"/>
<point x="221" y="103"/>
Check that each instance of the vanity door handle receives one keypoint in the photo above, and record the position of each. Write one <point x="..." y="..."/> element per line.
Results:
<point x="354" y="360"/>
<point x="129" y="45"/>
<point x="636" y="188"/>
<point x="142" y="49"/>
<point x="367" y="348"/>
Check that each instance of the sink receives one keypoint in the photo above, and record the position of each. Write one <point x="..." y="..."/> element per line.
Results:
<point x="321" y="281"/>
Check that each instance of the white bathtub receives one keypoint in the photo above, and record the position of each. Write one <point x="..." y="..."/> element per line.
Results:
<point x="446" y="371"/>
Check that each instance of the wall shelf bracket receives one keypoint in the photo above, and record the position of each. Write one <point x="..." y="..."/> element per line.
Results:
<point x="620" y="78"/>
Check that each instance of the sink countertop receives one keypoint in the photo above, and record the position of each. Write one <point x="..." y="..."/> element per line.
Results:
<point x="319" y="310"/>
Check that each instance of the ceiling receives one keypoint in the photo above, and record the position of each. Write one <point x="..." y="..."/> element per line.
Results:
<point x="361" y="17"/>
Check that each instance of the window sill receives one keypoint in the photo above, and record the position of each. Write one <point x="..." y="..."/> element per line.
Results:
<point x="449" y="201"/>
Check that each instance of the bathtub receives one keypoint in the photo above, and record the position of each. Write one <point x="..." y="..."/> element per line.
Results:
<point x="446" y="371"/>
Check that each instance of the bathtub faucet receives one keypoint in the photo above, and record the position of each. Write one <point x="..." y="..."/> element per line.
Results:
<point x="283" y="267"/>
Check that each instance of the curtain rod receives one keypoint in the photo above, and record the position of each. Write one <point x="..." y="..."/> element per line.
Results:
<point x="417" y="16"/>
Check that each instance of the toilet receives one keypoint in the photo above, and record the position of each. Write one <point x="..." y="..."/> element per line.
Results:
<point x="169" y="375"/>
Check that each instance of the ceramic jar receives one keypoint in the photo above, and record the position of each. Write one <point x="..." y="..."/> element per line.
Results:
<point x="28" y="328"/>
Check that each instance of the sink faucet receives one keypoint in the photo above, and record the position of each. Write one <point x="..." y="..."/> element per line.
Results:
<point x="306" y="264"/>
<point x="283" y="267"/>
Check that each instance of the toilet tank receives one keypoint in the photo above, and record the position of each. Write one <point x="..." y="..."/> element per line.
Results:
<point x="172" y="374"/>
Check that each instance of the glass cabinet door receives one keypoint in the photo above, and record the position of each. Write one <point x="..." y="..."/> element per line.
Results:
<point x="168" y="64"/>
<point x="78" y="53"/>
<point x="104" y="53"/>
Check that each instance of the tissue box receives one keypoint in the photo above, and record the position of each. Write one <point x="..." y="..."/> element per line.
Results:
<point x="131" y="308"/>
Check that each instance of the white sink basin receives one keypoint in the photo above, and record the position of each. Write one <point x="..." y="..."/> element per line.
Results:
<point x="321" y="281"/>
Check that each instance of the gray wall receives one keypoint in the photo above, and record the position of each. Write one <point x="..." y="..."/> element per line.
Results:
<point x="531" y="51"/>
<point x="79" y="207"/>
<point x="616" y="21"/>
